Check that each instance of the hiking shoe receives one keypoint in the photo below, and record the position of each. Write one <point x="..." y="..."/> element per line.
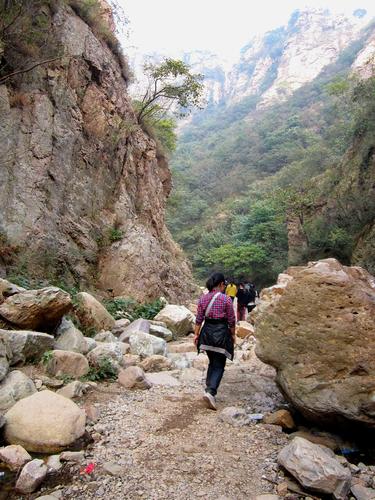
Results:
<point x="209" y="399"/>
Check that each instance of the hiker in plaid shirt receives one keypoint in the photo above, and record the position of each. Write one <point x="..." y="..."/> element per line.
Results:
<point x="217" y="335"/>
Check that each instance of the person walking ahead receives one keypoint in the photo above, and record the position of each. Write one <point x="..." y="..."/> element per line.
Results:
<point x="217" y="336"/>
<point x="231" y="290"/>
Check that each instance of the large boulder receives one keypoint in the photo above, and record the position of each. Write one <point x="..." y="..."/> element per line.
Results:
<point x="5" y="356"/>
<point x="139" y="325"/>
<point x="177" y="318"/>
<point x="162" y="332"/>
<point x="39" y="310"/>
<point x="44" y="423"/>
<point x="315" y="467"/>
<point x="26" y="345"/>
<point x="145" y="344"/>
<point x="318" y="331"/>
<point x="67" y="363"/>
<point x="92" y="314"/>
<point x="14" y="387"/>
<point x="69" y="338"/>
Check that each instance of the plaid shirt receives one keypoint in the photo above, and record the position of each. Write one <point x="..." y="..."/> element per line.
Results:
<point x="221" y="308"/>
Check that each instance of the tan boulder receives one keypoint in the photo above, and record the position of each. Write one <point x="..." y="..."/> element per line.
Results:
<point x="184" y="347"/>
<point x="67" y="363"/>
<point x="14" y="456"/>
<point x="282" y="418"/>
<point x="133" y="377"/>
<point x="318" y="331"/>
<point x="39" y="310"/>
<point x="177" y="318"/>
<point x="156" y="363"/>
<point x="44" y="423"/>
<point x="244" y="329"/>
<point x="92" y="314"/>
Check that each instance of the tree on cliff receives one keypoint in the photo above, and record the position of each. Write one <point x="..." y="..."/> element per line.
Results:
<point x="171" y="86"/>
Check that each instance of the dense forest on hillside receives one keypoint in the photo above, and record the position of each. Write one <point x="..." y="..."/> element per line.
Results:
<point x="246" y="178"/>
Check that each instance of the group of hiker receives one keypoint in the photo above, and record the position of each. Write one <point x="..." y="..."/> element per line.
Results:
<point x="215" y="326"/>
<point x="246" y="295"/>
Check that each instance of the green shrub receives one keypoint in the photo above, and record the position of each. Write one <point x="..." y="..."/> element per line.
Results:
<point x="105" y="371"/>
<point x="115" y="234"/>
<point x="128" y="308"/>
<point x="46" y="357"/>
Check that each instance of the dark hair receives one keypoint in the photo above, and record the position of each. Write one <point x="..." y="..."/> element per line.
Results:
<point x="214" y="280"/>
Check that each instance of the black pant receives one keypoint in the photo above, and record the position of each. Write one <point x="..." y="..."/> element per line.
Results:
<point x="215" y="371"/>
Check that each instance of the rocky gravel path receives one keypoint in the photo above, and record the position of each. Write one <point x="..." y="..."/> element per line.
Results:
<point x="164" y="444"/>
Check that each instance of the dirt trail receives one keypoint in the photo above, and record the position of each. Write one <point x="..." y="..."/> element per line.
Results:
<point x="164" y="444"/>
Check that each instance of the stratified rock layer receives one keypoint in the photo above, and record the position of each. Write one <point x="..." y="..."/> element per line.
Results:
<point x="317" y="328"/>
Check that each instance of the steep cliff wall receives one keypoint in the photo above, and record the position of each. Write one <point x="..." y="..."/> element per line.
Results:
<point x="82" y="187"/>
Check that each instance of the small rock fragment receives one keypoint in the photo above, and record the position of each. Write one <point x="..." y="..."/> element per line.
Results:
<point x="32" y="475"/>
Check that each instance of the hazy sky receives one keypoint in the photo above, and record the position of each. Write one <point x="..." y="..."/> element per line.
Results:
<point x="220" y="26"/>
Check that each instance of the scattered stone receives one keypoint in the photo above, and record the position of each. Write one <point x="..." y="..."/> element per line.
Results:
<point x="113" y="469"/>
<point x="14" y="456"/>
<point x="53" y="383"/>
<point x="53" y="463"/>
<point x="26" y="345"/>
<point x="44" y="422"/>
<point x="120" y="325"/>
<point x="72" y="456"/>
<point x="157" y="363"/>
<point x="162" y="378"/>
<point x="181" y="348"/>
<point x="282" y="418"/>
<point x="38" y="384"/>
<point x="67" y="363"/>
<point x="282" y="489"/>
<point x="133" y="377"/>
<point x="90" y="344"/>
<point x="92" y="314"/>
<point x="315" y="467"/>
<point x="105" y="336"/>
<point x="307" y="333"/>
<point x="362" y="493"/>
<point x="130" y="360"/>
<point x="69" y="338"/>
<point x="14" y="387"/>
<point x="139" y="325"/>
<point x="5" y="356"/>
<point x="177" y="318"/>
<point x="106" y="351"/>
<point x="234" y="416"/>
<point x="200" y="362"/>
<point x="92" y="413"/>
<point x="183" y="360"/>
<point x="244" y="329"/>
<point x="31" y="477"/>
<point x="145" y="344"/>
<point x="73" y="390"/>
<point x="162" y="332"/>
<point x="39" y="310"/>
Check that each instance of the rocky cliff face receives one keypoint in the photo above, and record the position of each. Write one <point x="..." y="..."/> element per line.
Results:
<point x="82" y="187"/>
<point x="273" y="65"/>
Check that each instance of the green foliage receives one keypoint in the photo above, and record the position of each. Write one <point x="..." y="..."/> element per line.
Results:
<point x="120" y="307"/>
<point x="46" y="357"/>
<point x="237" y="182"/>
<point x="115" y="234"/>
<point x="104" y="371"/>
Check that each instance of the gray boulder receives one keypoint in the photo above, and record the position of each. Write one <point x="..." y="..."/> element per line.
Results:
<point x="315" y="467"/>
<point x="32" y="476"/>
<point x="105" y="336"/>
<point x="69" y="338"/>
<point x="14" y="387"/>
<point x="120" y="325"/>
<point x="26" y="345"/>
<point x="90" y="344"/>
<point x="5" y="356"/>
<point x="139" y="325"/>
<point x="145" y="344"/>
<point x="162" y="332"/>
<point x="111" y="351"/>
